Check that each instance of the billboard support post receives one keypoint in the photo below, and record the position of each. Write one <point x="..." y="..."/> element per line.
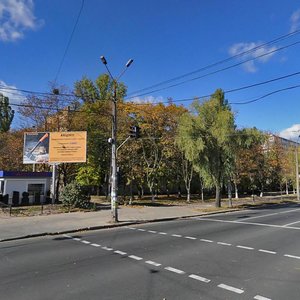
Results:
<point x="53" y="188"/>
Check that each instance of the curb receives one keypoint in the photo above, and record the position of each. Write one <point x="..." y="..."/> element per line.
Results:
<point x="107" y="226"/>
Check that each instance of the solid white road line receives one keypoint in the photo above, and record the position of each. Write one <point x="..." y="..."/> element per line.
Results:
<point x="273" y="214"/>
<point x="177" y="235"/>
<point x="248" y="223"/>
<point x="120" y="252"/>
<point x="203" y="279"/>
<point x="135" y="257"/>
<point x="291" y="224"/>
<point x="95" y="245"/>
<point x="207" y="241"/>
<point x="224" y="244"/>
<point x="230" y="288"/>
<point x="267" y="251"/>
<point x="153" y="263"/>
<point x="174" y="270"/>
<point x="291" y="256"/>
<point x="258" y="297"/>
<point x="190" y="238"/>
<point x="245" y="247"/>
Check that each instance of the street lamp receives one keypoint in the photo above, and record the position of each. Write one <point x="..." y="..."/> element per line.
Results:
<point x="113" y="140"/>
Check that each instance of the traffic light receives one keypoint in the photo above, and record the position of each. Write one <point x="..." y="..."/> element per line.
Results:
<point x="134" y="132"/>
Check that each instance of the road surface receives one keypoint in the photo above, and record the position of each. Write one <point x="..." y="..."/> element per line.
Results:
<point x="253" y="254"/>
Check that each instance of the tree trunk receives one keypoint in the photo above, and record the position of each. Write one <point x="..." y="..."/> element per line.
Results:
<point x="218" y="195"/>
<point x="188" y="196"/>
<point x="286" y="187"/>
<point x="229" y="194"/>
<point x="236" y="191"/>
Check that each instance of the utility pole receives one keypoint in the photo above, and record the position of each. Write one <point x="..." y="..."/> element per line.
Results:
<point x="113" y="141"/>
<point x="297" y="173"/>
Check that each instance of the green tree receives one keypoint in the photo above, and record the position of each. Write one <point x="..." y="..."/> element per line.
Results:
<point x="207" y="133"/>
<point x="6" y="114"/>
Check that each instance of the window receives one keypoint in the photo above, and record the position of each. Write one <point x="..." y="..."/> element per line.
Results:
<point x="36" y="188"/>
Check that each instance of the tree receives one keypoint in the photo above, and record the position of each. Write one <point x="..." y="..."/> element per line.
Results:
<point x="6" y="114"/>
<point x="207" y="132"/>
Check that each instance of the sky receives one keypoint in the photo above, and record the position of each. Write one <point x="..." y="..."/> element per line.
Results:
<point x="43" y="41"/>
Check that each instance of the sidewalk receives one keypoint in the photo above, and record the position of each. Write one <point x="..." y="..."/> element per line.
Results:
<point x="22" y="227"/>
<point x="50" y="224"/>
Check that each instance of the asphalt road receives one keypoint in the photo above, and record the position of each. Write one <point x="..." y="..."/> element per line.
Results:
<point x="253" y="254"/>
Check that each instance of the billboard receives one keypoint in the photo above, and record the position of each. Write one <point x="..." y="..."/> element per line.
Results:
<point x="54" y="147"/>
<point x="67" y="147"/>
<point x="36" y="147"/>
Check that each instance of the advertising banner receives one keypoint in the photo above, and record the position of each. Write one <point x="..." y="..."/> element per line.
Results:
<point x="36" y="148"/>
<point x="54" y="147"/>
<point x="67" y="147"/>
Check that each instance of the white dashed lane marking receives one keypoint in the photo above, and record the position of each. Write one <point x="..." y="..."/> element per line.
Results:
<point x="190" y="238"/>
<point x="230" y="288"/>
<point x="107" y="248"/>
<point x="85" y="242"/>
<point x="245" y="247"/>
<point x="120" y="252"/>
<point x="219" y="243"/>
<point x="199" y="278"/>
<point x="174" y="270"/>
<point x="258" y="297"/>
<point x="153" y="263"/>
<point x="177" y="235"/>
<point x="224" y="244"/>
<point x="135" y="257"/>
<point x="292" y="256"/>
<point x="171" y="269"/>
<point x="205" y="240"/>
<point x="267" y="251"/>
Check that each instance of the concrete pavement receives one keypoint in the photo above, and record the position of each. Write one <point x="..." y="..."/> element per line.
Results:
<point x="21" y="227"/>
<point x="13" y="227"/>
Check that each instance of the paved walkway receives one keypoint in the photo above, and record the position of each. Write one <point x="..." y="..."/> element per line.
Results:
<point x="21" y="227"/>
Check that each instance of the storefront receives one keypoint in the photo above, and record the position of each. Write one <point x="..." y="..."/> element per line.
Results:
<point x="14" y="184"/>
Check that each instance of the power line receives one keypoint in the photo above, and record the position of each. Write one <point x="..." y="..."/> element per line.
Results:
<point x="266" y="95"/>
<point x="219" y="62"/>
<point x="69" y="42"/>
<point x="217" y="71"/>
<point x="231" y="90"/>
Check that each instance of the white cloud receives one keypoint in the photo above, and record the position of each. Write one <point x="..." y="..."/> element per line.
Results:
<point x="295" y="20"/>
<point x="10" y="91"/>
<point x="291" y="133"/>
<point x="263" y="51"/>
<point x="16" y="16"/>
<point x="148" y="99"/>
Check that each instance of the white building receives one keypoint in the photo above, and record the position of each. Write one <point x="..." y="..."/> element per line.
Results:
<point x="36" y="184"/>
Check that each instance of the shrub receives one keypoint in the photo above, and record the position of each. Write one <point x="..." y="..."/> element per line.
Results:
<point x="73" y="196"/>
